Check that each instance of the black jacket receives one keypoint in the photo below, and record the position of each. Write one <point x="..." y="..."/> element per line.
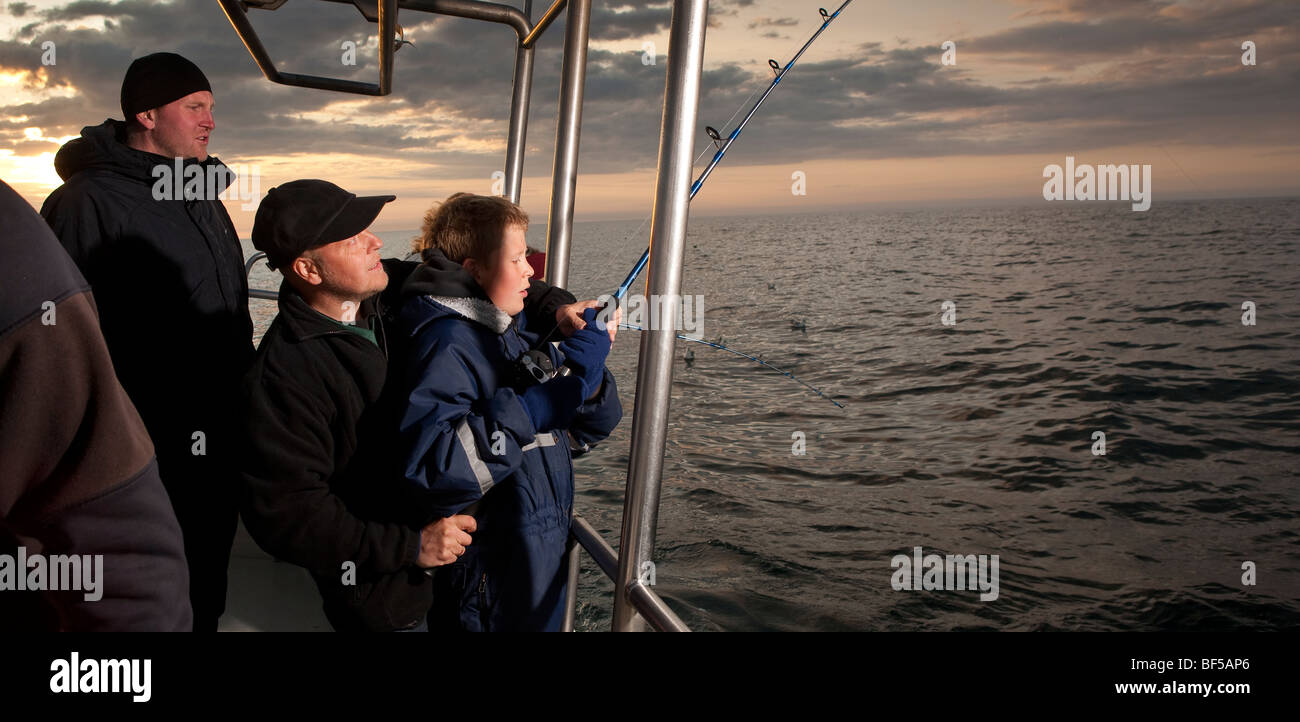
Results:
<point x="169" y="280"/>
<point x="77" y="470"/>
<point x="319" y="472"/>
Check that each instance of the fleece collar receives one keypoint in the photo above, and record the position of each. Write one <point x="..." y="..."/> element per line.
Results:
<point x="448" y="284"/>
<point x="478" y="310"/>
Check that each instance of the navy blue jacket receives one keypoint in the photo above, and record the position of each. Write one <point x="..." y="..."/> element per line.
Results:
<point x="467" y="439"/>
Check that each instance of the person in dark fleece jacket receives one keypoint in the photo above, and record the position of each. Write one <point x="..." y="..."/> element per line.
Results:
<point x="168" y="276"/>
<point x="319" y="472"/>
<point x="479" y="439"/>
<point x="77" y="469"/>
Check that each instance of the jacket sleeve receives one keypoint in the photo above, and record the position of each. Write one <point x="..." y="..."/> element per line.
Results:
<point x="77" y="469"/>
<point x="76" y="222"/>
<point x="78" y="477"/>
<point x="597" y="418"/>
<point x="288" y="506"/>
<point x="543" y="301"/>
<point x="455" y="444"/>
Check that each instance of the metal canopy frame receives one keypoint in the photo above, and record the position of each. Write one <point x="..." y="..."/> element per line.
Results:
<point x="635" y="603"/>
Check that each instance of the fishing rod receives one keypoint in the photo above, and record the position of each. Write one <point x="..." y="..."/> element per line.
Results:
<point x="827" y="18"/>
<point x="723" y="146"/>
<point x="716" y="345"/>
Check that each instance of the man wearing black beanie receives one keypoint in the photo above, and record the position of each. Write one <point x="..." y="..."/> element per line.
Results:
<point x="165" y="127"/>
<point x="167" y="273"/>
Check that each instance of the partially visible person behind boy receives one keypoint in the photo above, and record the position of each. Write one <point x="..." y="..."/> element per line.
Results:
<point x="480" y="436"/>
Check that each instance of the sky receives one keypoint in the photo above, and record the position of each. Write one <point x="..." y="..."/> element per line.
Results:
<point x="872" y="115"/>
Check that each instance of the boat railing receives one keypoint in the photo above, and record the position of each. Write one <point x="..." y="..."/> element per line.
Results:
<point x="258" y="292"/>
<point x="636" y="605"/>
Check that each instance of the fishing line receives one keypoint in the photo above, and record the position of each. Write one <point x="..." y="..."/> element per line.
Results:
<point x="716" y="345"/>
<point x="722" y="147"/>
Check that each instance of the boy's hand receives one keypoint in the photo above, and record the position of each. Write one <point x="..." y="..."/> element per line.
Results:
<point x="443" y="541"/>
<point x="585" y="352"/>
<point x="570" y="318"/>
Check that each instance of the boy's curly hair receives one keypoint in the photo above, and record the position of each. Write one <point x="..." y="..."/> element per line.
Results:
<point x="467" y="225"/>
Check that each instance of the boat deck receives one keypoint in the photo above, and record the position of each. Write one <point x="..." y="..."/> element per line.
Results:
<point x="266" y="595"/>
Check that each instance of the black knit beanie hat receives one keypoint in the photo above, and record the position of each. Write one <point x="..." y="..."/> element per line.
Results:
<point x="158" y="79"/>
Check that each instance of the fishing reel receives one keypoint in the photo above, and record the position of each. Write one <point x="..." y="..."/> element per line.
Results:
<point x="534" y="367"/>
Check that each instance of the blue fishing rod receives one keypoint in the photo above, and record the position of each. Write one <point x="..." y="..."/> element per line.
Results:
<point x="536" y="369"/>
<point x="723" y="147"/>
<point x="827" y="19"/>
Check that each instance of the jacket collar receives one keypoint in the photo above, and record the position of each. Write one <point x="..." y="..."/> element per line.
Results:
<point x="104" y="147"/>
<point x="448" y="284"/>
<point x="302" y="322"/>
<point x="478" y="310"/>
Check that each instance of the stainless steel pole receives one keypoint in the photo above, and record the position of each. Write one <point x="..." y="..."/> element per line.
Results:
<point x="654" y="609"/>
<point x="564" y="174"/>
<point x="573" y="563"/>
<point x="491" y="12"/>
<point x="654" y="376"/>
<point x="547" y="18"/>
<point x="517" y="141"/>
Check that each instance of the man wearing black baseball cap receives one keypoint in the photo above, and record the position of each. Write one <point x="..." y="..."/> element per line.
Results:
<point x="168" y="278"/>
<point x="315" y="233"/>
<point x="319" y="464"/>
<point x="312" y="474"/>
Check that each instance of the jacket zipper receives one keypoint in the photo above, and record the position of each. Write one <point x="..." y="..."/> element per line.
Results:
<point x="482" y="601"/>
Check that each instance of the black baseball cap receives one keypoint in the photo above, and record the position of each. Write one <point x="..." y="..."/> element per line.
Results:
<point x="305" y="214"/>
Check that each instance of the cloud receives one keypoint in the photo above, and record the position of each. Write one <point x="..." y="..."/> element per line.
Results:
<point x="622" y="19"/>
<point x="92" y="8"/>
<point x="1115" y="30"/>
<point x="766" y="22"/>
<point x="1156" y="73"/>
<point x="632" y="19"/>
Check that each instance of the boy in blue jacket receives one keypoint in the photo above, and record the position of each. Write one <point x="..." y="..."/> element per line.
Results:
<point x="480" y="435"/>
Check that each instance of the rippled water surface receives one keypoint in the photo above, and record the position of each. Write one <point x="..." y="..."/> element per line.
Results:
<point x="974" y="438"/>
